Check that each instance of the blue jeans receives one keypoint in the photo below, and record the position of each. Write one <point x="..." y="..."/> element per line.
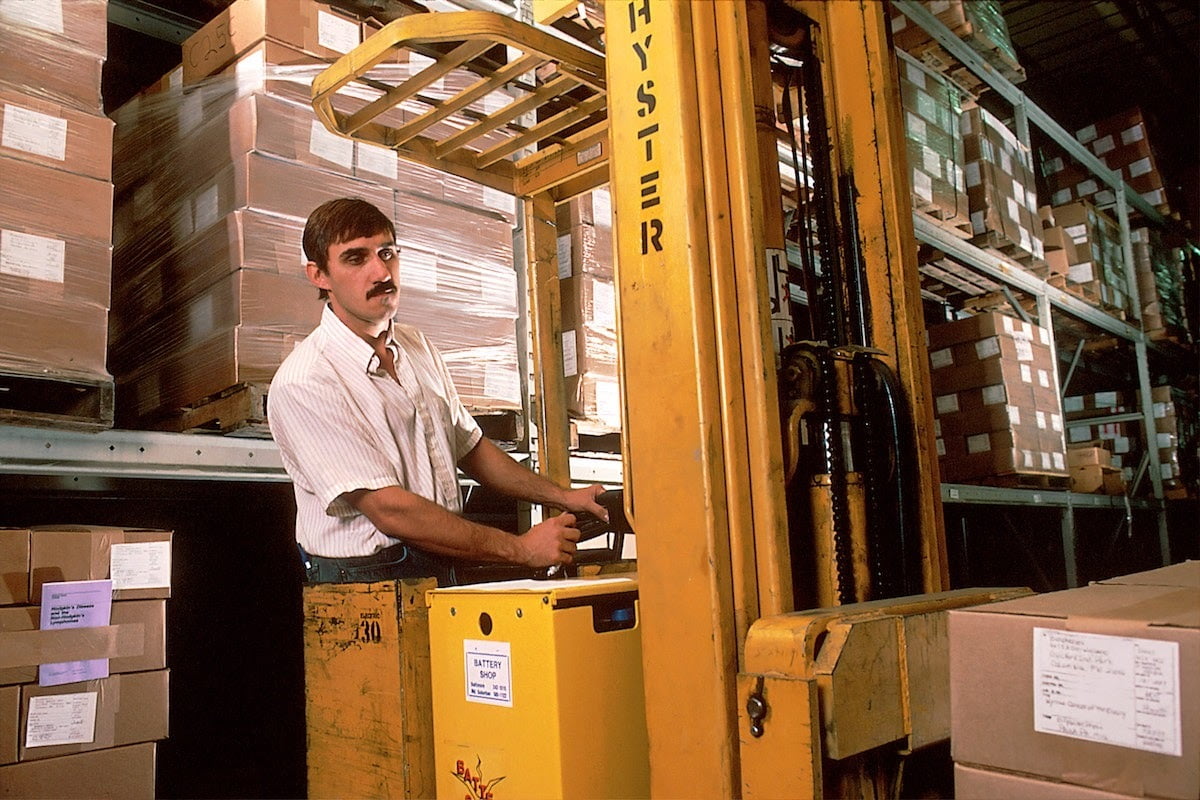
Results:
<point x="390" y="563"/>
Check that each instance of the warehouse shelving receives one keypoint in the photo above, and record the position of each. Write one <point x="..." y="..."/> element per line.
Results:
<point x="1050" y="298"/>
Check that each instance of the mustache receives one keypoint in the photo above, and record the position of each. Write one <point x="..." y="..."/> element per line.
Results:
<point x="383" y="287"/>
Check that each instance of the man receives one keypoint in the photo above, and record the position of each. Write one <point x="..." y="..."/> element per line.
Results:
<point x="371" y="430"/>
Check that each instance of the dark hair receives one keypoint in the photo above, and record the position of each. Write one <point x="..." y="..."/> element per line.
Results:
<point x="341" y="220"/>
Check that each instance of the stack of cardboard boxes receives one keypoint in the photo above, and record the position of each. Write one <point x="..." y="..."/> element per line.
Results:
<point x="1122" y="144"/>
<point x="1123" y="441"/>
<point x="83" y="681"/>
<point x="1160" y="285"/>
<point x="997" y="403"/>
<point x="219" y="166"/>
<point x="1085" y="693"/>
<point x="588" y="299"/>
<point x="932" y="116"/>
<point x="1000" y="187"/>
<point x="1084" y="246"/>
<point x="980" y="23"/>
<point x="55" y="242"/>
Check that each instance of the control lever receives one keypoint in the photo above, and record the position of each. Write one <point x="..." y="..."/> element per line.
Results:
<point x="590" y="527"/>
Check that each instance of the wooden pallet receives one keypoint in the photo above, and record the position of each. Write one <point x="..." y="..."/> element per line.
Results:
<point x="1029" y="480"/>
<point x="240" y="410"/>
<point x="951" y="222"/>
<point x="56" y="401"/>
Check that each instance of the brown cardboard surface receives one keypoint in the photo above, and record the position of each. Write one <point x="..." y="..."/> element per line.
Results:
<point x="54" y="337"/>
<point x="992" y="685"/>
<point x="48" y="67"/>
<point x="980" y="326"/>
<point x="130" y="708"/>
<point x="1185" y="574"/>
<point x="10" y="722"/>
<point x="90" y="201"/>
<point x="55" y="135"/>
<point x="1001" y="346"/>
<point x="43" y="264"/>
<point x="997" y="417"/>
<point x="13" y="620"/>
<point x="120" y="773"/>
<point x="1079" y="456"/>
<point x="977" y="783"/>
<point x="82" y="553"/>
<point x="297" y="23"/>
<point x="14" y="566"/>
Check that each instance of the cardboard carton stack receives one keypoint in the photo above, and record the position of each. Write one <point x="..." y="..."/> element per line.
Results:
<point x="55" y="242"/>
<point x="84" y="681"/>
<point x="1173" y="430"/>
<point x="585" y="271"/>
<point x="997" y="404"/>
<point x="980" y="23"/>
<point x="1122" y="143"/>
<point x="1088" y="243"/>
<point x="932" y="115"/>
<point x="218" y="167"/>
<point x="1160" y="285"/>
<point x="1085" y="693"/>
<point x="1000" y="188"/>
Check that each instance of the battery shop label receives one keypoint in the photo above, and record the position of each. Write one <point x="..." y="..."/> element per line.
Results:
<point x="488" y="672"/>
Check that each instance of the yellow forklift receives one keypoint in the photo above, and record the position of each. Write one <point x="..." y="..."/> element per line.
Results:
<point x="777" y="455"/>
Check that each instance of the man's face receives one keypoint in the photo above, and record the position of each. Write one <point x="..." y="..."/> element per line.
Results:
<point x="362" y="278"/>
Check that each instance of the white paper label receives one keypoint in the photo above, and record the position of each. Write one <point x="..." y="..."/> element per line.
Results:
<point x="922" y="185"/>
<point x="1014" y="211"/>
<point x="1024" y="348"/>
<point x="602" y="208"/>
<point x="1060" y="463"/>
<point x="1105" y="399"/>
<point x="1140" y="167"/>
<point x="61" y="719"/>
<point x="1103" y="145"/>
<point x="590" y="154"/>
<point x="932" y="161"/>
<point x="608" y="402"/>
<point x="1133" y="134"/>
<point x="1060" y="197"/>
<point x="1081" y="273"/>
<point x="29" y="256"/>
<point x="418" y="270"/>
<point x="1043" y="378"/>
<point x="337" y="33"/>
<point x="34" y="132"/>
<point x="488" y="670"/>
<point x="973" y="176"/>
<point x="941" y="447"/>
<point x="947" y="403"/>
<point x="191" y="112"/>
<point x="1026" y="374"/>
<point x="1014" y="414"/>
<point x="1117" y="690"/>
<point x="986" y="348"/>
<point x="140" y="565"/>
<point x="501" y="383"/>
<point x="1086" y="188"/>
<point x="1074" y="403"/>
<point x="941" y="358"/>
<point x="570" y="356"/>
<point x="994" y="395"/>
<point x="1056" y="423"/>
<point x="916" y="126"/>
<point x="1087" y="134"/>
<point x="979" y="443"/>
<point x="498" y="200"/>
<point x="604" y="305"/>
<point x="330" y="146"/>
<point x="377" y="160"/>
<point x="1166" y="471"/>
<point x="1079" y="434"/>
<point x="564" y="256"/>
<point x="1040" y="417"/>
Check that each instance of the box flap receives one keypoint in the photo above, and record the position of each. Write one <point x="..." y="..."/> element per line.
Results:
<point x="1185" y="574"/>
<point x="1149" y="605"/>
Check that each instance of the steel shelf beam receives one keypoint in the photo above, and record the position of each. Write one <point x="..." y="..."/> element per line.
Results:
<point x="963" y="493"/>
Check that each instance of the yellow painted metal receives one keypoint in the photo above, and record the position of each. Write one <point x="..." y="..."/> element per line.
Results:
<point x="881" y="676"/>
<point x="573" y="723"/>
<point x="545" y="316"/>
<point x="353" y="96"/>
<point x="828" y="582"/>
<point x="694" y="344"/>
<point x="862" y="86"/>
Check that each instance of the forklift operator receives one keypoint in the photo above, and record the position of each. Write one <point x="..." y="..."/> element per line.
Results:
<point x="371" y="430"/>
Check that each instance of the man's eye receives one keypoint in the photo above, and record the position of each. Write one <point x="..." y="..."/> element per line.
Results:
<point x="387" y="254"/>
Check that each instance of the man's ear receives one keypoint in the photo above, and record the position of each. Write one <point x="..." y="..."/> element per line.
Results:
<point x="316" y="276"/>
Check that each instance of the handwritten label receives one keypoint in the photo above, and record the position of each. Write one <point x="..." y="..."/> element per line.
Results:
<point x="140" y="565"/>
<point x="61" y="719"/>
<point x="1112" y="689"/>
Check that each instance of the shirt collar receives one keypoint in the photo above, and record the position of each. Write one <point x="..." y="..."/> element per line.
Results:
<point x="354" y="345"/>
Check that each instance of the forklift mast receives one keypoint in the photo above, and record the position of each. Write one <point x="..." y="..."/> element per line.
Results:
<point x="678" y="115"/>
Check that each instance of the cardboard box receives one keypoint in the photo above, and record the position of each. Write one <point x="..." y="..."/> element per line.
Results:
<point x="137" y="559"/>
<point x="316" y="29"/>
<point x="53" y="337"/>
<point x="932" y="107"/>
<point x="1052" y="685"/>
<point x="1000" y="186"/>
<point x="31" y="61"/>
<point x="975" y="783"/>
<point x="14" y="566"/>
<point x="90" y="201"/>
<point x="55" y="135"/>
<point x="120" y="773"/>
<point x="1096" y="478"/>
<point x="10" y="715"/>
<point x="81" y="25"/>
<point x="980" y="326"/>
<point x="129" y="708"/>
<point x="133" y="641"/>
<point x="1083" y="456"/>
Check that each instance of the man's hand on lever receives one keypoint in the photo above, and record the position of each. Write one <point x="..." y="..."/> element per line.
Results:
<point x="551" y="542"/>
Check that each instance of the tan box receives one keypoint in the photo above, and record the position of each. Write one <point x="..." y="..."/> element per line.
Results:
<point x="54" y="135"/>
<point x="1096" y="478"/>
<point x="14" y="566"/>
<point x="1083" y="456"/>
<point x="981" y="326"/>
<point x="10" y="723"/>
<point x="1097" y="686"/>
<point x="35" y="63"/>
<point x="121" y="772"/>
<point x="129" y="709"/>
<point x="81" y="25"/>
<point x="1000" y="186"/>
<point x="976" y="783"/>
<point x="137" y="559"/>
<point x="90" y="201"/>
<point x="52" y="337"/>
<point x="311" y="27"/>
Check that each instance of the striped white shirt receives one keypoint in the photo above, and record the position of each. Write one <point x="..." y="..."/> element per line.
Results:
<point x="343" y="424"/>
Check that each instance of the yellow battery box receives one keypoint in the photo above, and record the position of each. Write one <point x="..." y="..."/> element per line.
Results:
<point x="537" y="690"/>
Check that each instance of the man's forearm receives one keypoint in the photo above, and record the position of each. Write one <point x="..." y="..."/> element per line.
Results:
<point x="495" y="469"/>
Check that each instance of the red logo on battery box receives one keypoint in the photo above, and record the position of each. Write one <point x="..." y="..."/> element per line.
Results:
<point x="478" y="787"/>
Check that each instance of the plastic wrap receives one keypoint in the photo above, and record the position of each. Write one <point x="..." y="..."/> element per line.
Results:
<point x="55" y="192"/>
<point x="1160" y="283"/>
<point x="1000" y="186"/>
<point x="979" y="23"/>
<point x="932" y="113"/>
<point x="1097" y="270"/>
<point x="215" y="180"/>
